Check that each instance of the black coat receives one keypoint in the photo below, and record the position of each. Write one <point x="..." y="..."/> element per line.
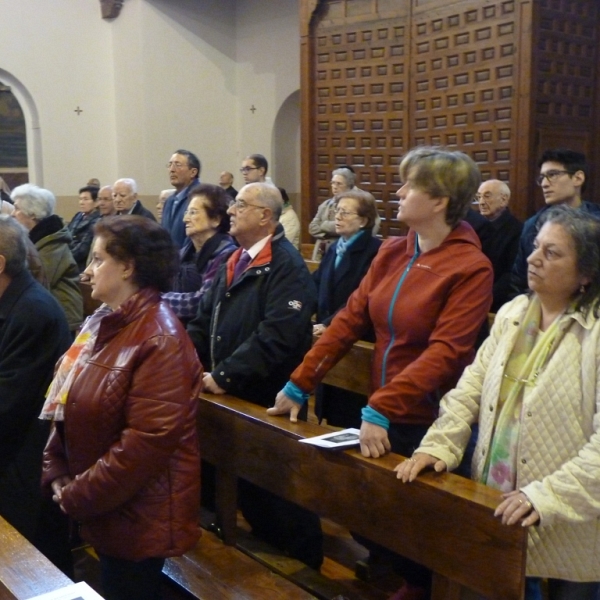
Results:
<point x="33" y="335"/>
<point x="252" y="334"/>
<point x="503" y="246"/>
<point x="142" y="211"/>
<point x="334" y="286"/>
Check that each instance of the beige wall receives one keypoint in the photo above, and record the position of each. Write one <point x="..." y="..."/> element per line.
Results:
<point x="165" y="74"/>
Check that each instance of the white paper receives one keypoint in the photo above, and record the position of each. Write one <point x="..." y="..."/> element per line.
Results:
<point x="344" y="438"/>
<point x="76" y="591"/>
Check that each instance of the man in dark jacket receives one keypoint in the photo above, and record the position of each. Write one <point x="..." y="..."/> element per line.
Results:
<point x="184" y="170"/>
<point x="252" y="329"/>
<point x="493" y="196"/>
<point x="125" y="199"/>
<point x="33" y="335"/>
<point x="562" y="179"/>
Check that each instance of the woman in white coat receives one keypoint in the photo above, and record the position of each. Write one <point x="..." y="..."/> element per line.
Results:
<point x="534" y="389"/>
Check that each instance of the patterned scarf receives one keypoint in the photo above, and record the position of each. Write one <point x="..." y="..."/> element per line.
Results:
<point x="529" y="356"/>
<point x="71" y="365"/>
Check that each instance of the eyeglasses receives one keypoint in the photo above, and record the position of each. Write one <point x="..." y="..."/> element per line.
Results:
<point x="551" y="176"/>
<point x="248" y="169"/>
<point x="344" y="213"/>
<point x="242" y="205"/>
<point x="191" y="212"/>
<point x="177" y="165"/>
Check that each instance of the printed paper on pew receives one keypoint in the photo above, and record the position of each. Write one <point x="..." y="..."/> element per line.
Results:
<point x="336" y="439"/>
<point x="77" y="591"/>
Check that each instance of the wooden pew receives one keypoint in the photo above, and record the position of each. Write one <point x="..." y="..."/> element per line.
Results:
<point x="24" y="571"/>
<point x="442" y="521"/>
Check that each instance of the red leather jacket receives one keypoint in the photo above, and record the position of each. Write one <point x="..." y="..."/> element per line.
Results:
<point x="129" y="441"/>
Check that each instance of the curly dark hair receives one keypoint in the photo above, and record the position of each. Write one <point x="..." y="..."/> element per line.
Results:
<point x="146" y="243"/>
<point x="218" y="203"/>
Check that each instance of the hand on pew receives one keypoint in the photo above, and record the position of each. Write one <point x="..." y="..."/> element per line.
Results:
<point x="210" y="385"/>
<point x="516" y="506"/>
<point x="411" y="467"/>
<point x="374" y="441"/>
<point x="283" y="406"/>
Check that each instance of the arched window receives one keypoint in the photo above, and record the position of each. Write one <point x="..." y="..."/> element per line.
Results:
<point x="13" y="140"/>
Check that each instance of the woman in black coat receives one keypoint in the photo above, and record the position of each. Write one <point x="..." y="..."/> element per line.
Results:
<point x="344" y="265"/>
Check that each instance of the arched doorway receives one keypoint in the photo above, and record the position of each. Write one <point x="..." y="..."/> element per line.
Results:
<point x="286" y="148"/>
<point x="20" y="137"/>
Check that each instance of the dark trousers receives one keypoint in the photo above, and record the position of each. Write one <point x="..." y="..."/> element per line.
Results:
<point x="128" y="580"/>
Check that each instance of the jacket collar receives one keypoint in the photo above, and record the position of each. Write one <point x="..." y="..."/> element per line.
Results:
<point x="128" y="312"/>
<point x="46" y="227"/>
<point x="462" y="233"/>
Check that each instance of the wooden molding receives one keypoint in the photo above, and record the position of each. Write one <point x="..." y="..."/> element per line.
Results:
<point x="111" y="8"/>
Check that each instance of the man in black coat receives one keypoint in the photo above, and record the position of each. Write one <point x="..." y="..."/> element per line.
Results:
<point x="33" y="335"/>
<point x="125" y="199"/>
<point x="252" y="330"/>
<point x="503" y="243"/>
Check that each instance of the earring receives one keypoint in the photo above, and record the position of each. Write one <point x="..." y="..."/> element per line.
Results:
<point x="582" y="289"/>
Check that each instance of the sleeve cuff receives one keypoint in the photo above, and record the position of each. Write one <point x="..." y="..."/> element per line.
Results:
<point x="293" y="392"/>
<point x="370" y="415"/>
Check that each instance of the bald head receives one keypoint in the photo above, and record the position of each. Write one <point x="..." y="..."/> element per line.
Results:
<point x="225" y="179"/>
<point x="493" y="196"/>
<point x="255" y="213"/>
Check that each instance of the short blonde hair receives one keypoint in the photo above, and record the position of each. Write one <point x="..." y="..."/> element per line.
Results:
<point x="443" y="173"/>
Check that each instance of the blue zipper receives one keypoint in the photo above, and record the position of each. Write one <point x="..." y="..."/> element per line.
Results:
<point x="391" y="310"/>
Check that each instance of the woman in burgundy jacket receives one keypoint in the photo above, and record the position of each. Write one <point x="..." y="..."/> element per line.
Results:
<point x="123" y="455"/>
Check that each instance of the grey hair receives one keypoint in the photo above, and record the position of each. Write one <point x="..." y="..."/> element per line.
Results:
<point x="584" y="230"/>
<point x="347" y="174"/>
<point x="131" y="183"/>
<point x="268" y="195"/>
<point x="36" y="202"/>
<point x="13" y="245"/>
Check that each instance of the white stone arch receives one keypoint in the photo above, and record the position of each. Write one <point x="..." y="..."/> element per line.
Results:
<point x="32" y="126"/>
<point x="286" y="146"/>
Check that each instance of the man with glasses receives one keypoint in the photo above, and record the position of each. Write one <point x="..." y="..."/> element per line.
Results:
<point x="505" y="230"/>
<point x="251" y="331"/>
<point x="562" y="179"/>
<point x="184" y="170"/>
<point x="254" y="168"/>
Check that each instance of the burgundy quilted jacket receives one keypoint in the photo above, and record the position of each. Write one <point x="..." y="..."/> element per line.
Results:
<point x="129" y="441"/>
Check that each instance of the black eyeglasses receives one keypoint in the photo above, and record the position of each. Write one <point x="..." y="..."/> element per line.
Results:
<point x="248" y="169"/>
<point x="551" y="176"/>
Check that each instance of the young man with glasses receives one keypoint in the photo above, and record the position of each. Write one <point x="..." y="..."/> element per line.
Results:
<point x="562" y="179"/>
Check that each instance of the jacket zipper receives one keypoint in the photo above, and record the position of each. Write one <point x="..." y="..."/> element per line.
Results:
<point x="391" y="310"/>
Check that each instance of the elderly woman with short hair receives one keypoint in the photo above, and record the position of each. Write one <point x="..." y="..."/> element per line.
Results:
<point x="34" y="208"/>
<point x="322" y="227"/>
<point x="534" y="390"/>
<point x="207" y="247"/>
<point x="123" y="457"/>
<point x="344" y="265"/>
<point x="426" y="296"/>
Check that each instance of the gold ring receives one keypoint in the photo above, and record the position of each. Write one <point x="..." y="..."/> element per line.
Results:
<point x="520" y="501"/>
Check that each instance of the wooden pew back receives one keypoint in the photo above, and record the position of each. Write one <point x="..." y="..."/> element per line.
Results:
<point x="442" y="521"/>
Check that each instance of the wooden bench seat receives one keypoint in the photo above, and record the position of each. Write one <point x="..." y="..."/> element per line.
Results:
<point x="215" y="571"/>
<point x="24" y="571"/>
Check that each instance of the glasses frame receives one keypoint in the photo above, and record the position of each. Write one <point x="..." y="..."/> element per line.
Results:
<point x="551" y="175"/>
<point x="248" y="169"/>
<point x="242" y="205"/>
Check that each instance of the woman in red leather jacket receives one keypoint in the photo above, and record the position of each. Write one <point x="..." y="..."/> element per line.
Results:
<point x="123" y="456"/>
